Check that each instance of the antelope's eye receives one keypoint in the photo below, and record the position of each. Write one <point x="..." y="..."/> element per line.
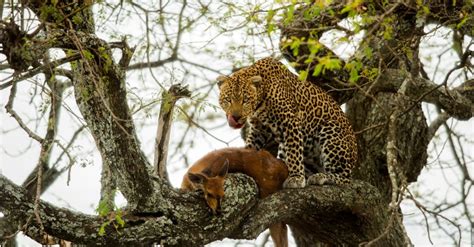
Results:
<point x="211" y="196"/>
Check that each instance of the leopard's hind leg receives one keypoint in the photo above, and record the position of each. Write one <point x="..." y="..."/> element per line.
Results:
<point x="337" y="157"/>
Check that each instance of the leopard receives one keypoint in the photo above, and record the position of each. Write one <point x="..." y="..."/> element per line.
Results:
<point x="302" y="118"/>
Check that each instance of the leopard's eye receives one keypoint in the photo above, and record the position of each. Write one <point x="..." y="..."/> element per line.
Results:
<point x="223" y="98"/>
<point x="225" y="102"/>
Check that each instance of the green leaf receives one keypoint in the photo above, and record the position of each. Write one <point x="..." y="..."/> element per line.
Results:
<point x="103" y="208"/>
<point x="317" y="69"/>
<point x="368" y="52"/>
<point x="87" y="54"/>
<point x="289" y="14"/>
<point x="76" y="19"/>
<point x="462" y="22"/>
<point x="270" y="15"/>
<point x="333" y="64"/>
<point x="351" y="8"/>
<point x="371" y="74"/>
<point x="328" y="63"/>
<point x="354" y="76"/>
<point x="295" y="45"/>
<point x="314" y="46"/>
<point x="353" y="67"/>
<point x="270" y="28"/>
<point x="303" y="75"/>
<point x="102" y="228"/>
<point x="119" y="220"/>
<point x="270" y="23"/>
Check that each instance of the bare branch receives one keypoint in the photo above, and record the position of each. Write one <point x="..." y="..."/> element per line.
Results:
<point x="169" y="99"/>
<point x="434" y="126"/>
<point x="152" y="64"/>
<point x="9" y="108"/>
<point x="457" y="102"/>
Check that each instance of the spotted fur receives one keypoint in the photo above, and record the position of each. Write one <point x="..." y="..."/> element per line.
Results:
<point x="306" y="122"/>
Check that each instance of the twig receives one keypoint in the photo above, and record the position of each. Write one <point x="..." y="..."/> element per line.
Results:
<point x="9" y="108"/>
<point x="370" y="127"/>
<point x="436" y="214"/>
<point x="202" y="128"/>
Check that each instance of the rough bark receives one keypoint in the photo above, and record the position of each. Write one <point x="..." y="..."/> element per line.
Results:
<point x="354" y="212"/>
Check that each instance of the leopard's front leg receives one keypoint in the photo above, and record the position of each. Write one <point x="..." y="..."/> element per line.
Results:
<point x="291" y="151"/>
<point x="257" y="136"/>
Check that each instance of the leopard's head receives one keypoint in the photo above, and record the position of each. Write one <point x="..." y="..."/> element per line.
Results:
<point x="238" y="97"/>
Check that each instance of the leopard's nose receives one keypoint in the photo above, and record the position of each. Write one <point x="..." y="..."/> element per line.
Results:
<point x="236" y="117"/>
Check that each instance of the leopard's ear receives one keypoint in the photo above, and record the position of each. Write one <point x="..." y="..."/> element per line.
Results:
<point x="220" y="80"/>
<point x="256" y="80"/>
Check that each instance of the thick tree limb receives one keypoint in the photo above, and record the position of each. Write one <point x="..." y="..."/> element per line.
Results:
<point x="355" y="209"/>
<point x="102" y="101"/>
<point x="181" y="227"/>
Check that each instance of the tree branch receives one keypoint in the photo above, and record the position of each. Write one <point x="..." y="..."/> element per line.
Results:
<point x="457" y="102"/>
<point x="434" y="126"/>
<point x="178" y="228"/>
<point x="169" y="99"/>
<point x="152" y="64"/>
<point x="355" y="209"/>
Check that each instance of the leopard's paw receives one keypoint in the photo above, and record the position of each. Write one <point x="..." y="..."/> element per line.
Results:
<point x="294" y="182"/>
<point x="319" y="179"/>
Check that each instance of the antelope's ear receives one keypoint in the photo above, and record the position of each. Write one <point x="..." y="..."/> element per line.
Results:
<point x="197" y="178"/>
<point x="256" y="80"/>
<point x="220" y="80"/>
<point x="224" y="169"/>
